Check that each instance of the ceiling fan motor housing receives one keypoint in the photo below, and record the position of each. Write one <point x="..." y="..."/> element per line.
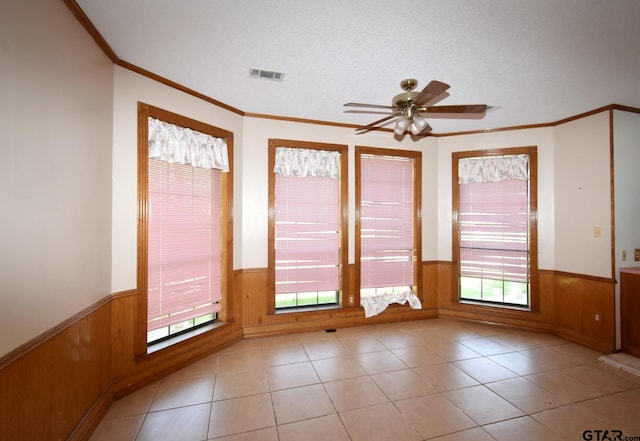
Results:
<point x="405" y="103"/>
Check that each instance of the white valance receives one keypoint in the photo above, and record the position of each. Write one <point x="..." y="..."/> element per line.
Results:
<point x="307" y="162"/>
<point x="493" y="169"/>
<point x="175" y="144"/>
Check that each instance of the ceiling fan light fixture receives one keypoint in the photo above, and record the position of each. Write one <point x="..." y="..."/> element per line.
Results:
<point x="401" y="125"/>
<point x="418" y="124"/>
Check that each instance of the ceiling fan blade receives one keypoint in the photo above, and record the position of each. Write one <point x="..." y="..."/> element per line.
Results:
<point x="377" y="106"/>
<point x="375" y="123"/>
<point x="467" y="108"/>
<point x="372" y="111"/>
<point x="431" y="91"/>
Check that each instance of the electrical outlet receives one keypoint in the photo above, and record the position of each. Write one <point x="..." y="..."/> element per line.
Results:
<point x="597" y="317"/>
<point x="636" y="254"/>
<point x="597" y="232"/>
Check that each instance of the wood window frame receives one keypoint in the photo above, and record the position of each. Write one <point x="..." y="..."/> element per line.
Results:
<point x="141" y="348"/>
<point x="417" y="213"/>
<point x="534" y="293"/>
<point x="344" y="216"/>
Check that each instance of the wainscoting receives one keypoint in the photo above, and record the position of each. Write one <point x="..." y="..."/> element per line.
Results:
<point x="257" y="321"/>
<point x="584" y="310"/>
<point x="567" y="305"/>
<point x="578" y="307"/>
<point x="59" y="385"/>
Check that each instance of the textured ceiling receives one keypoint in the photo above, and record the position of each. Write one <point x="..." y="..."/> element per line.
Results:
<point x="537" y="61"/>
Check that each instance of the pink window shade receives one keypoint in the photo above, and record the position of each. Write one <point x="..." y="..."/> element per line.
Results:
<point x="386" y="220"/>
<point x="307" y="234"/>
<point x="183" y="243"/>
<point x="494" y="230"/>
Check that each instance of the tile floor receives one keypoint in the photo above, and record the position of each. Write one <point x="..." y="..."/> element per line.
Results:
<point x="431" y="379"/>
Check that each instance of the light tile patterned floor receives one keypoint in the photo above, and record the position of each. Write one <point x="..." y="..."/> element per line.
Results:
<point x="429" y="379"/>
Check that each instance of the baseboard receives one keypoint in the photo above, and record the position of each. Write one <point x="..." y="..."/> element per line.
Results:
<point x="306" y="322"/>
<point x="600" y="346"/>
<point x="494" y="319"/>
<point x="84" y="429"/>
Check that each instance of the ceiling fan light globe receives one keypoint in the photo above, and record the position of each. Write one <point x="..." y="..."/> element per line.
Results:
<point x="418" y="125"/>
<point x="401" y="126"/>
<point x="420" y="122"/>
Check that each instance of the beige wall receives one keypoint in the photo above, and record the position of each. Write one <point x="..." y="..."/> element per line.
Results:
<point x="55" y="175"/>
<point x="583" y="196"/>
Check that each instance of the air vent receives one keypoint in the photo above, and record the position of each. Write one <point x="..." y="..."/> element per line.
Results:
<point x="266" y="74"/>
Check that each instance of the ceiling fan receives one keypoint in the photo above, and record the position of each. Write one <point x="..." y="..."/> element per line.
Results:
<point x="409" y="107"/>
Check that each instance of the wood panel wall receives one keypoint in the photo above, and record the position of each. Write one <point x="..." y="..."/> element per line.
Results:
<point x="584" y="310"/>
<point x="60" y="385"/>
<point x="257" y="320"/>
<point x="567" y="306"/>
<point x="57" y="386"/>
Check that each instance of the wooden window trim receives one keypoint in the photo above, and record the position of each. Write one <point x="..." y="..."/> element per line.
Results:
<point x="534" y="295"/>
<point x="417" y="220"/>
<point x="145" y="111"/>
<point x="344" y="216"/>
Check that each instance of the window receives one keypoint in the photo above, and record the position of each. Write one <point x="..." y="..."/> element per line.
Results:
<point x="184" y="199"/>
<point x="306" y="236"/>
<point x="387" y="223"/>
<point x="495" y="205"/>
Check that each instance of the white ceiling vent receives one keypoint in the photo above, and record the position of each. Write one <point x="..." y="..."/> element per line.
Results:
<point x="266" y="74"/>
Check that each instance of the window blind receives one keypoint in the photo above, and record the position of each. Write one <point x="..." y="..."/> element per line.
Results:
<point x="183" y="243"/>
<point x="494" y="228"/>
<point x="307" y="234"/>
<point x="386" y="219"/>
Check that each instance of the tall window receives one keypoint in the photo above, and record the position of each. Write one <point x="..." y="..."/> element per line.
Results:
<point x="495" y="241"/>
<point x="183" y="264"/>
<point x="387" y="222"/>
<point x="306" y="226"/>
